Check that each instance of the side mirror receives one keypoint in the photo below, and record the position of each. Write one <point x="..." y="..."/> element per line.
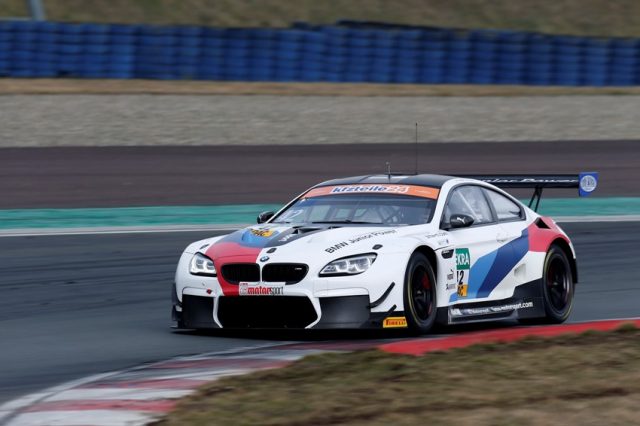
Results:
<point x="460" y="221"/>
<point x="265" y="216"/>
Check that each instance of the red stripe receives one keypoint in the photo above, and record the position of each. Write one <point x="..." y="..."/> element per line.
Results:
<point x="540" y="239"/>
<point x="225" y="252"/>
<point x="422" y="346"/>
<point x="157" y="406"/>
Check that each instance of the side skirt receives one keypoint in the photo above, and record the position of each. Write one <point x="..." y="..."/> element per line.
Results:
<point x="527" y="302"/>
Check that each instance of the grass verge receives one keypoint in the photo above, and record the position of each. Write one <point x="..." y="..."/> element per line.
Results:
<point x="593" y="378"/>
<point x="593" y="17"/>
<point x="10" y="86"/>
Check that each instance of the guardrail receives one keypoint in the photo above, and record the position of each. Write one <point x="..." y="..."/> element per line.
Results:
<point x="335" y="53"/>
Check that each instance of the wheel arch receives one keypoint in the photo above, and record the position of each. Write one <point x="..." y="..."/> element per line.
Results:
<point x="430" y="254"/>
<point x="564" y="246"/>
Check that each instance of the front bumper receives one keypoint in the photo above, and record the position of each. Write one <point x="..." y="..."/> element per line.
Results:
<point x="276" y="312"/>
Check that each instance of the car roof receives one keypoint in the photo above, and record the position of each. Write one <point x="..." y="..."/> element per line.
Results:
<point x="433" y="181"/>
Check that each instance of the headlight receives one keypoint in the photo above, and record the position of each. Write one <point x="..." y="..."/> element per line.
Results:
<point x="202" y="265"/>
<point x="349" y="265"/>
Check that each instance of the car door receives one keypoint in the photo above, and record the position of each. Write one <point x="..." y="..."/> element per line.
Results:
<point x="514" y="239"/>
<point x="476" y="245"/>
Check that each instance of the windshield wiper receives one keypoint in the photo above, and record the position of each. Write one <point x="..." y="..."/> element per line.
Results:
<point x="357" y="222"/>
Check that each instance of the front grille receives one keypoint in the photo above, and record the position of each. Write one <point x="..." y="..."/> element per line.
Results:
<point x="236" y="272"/>
<point x="289" y="273"/>
<point x="265" y="311"/>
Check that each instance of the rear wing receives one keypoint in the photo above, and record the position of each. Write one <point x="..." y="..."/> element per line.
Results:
<point x="585" y="182"/>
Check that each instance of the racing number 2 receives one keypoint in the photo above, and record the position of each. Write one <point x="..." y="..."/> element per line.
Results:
<point x="462" y="287"/>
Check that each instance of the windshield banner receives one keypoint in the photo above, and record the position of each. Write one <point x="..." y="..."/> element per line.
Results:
<point x="412" y="190"/>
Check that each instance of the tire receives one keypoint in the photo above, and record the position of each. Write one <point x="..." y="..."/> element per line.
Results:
<point x="420" y="294"/>
<point x="558" y="288"/>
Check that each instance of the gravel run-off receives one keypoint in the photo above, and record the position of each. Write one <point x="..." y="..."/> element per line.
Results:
<point x="104" y="120"/>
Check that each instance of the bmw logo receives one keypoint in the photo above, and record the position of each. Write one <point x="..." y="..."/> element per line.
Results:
<point x="264" y="258"/>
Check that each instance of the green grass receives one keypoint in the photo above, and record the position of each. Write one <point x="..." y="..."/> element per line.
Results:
<point x="589" y="379"/>
<point x="580" y="17"/>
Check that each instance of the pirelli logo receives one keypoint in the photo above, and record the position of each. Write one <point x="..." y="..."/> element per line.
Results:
<point x="394" y="322"/>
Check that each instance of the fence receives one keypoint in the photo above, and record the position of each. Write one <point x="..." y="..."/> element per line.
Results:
<point x="336" y="53"/>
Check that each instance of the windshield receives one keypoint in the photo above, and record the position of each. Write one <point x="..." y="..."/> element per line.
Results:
<point x="379" y="209"/>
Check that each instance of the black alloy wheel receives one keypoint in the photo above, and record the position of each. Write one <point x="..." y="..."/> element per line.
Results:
<point x="558" y="286"/>
<point x="420" y="295"/>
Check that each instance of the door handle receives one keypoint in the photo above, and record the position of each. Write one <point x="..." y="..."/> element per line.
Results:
<point x="501" y="238"/>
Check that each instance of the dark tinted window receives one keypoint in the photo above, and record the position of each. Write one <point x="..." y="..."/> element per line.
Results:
<point x="468" y="200"/>
<point x="505" y="208"/>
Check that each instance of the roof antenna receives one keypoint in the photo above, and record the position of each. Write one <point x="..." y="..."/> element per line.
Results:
<point x="388" y="170"/>
<point x="416" y="153"/>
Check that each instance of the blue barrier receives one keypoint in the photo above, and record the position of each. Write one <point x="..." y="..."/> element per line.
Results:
<point x="351" y="51"/>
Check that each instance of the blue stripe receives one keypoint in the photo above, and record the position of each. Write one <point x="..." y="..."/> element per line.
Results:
<point x="489" y="270"/>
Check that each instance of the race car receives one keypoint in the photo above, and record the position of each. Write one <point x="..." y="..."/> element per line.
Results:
<point x="387" y="251"/>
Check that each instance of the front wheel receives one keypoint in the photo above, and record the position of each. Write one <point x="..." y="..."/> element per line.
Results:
<point x="420" y="296"/>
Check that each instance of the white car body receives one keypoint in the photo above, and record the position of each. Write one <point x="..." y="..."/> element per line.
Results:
<point x="484" y="272"/>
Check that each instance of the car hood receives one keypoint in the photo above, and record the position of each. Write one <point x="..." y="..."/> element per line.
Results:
<point x="320" y="238"/>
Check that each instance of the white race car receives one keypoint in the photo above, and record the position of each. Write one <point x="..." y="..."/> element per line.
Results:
<point x="386" y="251"/>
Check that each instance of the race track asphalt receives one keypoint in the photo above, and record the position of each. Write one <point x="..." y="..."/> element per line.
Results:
<point x="68" y="177"/>
<point x="73" y="306"/>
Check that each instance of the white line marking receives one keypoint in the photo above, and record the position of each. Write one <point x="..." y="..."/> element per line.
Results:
<point x="86" y="417"/>
<point x="34" y="232"/>
<point x="613" y="218"/>
<point x="106" y="394"/>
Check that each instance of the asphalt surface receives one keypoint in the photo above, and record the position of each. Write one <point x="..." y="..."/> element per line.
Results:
<point x="202" y="175"/>
<point x="78" y="305"/>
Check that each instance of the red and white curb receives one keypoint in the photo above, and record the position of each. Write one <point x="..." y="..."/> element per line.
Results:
<point x="511" y="334"/>
<point x="142" y="394"/>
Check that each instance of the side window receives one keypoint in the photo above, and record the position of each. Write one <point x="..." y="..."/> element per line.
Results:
<point x="471" y="201"/>
<point x="505" y="208"/>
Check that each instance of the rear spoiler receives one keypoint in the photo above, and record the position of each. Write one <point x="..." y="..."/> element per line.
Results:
<point x="586" y="183"/>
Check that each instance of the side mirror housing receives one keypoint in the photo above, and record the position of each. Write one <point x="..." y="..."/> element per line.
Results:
<point x="265" y="216"/>
<point x="460" y="221"/>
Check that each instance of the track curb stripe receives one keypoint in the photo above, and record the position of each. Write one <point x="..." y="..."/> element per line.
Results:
<point x="423" y="346"/>
<point x="140" y="395"/>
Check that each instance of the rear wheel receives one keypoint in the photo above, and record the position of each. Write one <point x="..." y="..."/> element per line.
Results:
<point x="420" y="294"/>
<point x="557" y="288"/>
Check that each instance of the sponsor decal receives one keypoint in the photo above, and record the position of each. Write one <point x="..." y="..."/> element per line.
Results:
<point x="491" y="309"/>
<point x="357" y="239"/>
<point x="437" y="234"/>
<point x="502" y="180"/>
<point x="413" y="190"/>
<point x="451" y="283"/>
<point x="287" y="238"/>
<point x="371" y="235"/>
<point x="463" y="260"/>
<point x="394" y="322"/>
<point x="442" y="238"/>
<point x="450" y="275"/>
<point x="588" y="183"/>
<point x="336" y="247"/>
<point x="462" y="289"/>
<point x="258" y="289"/>
<point x="463" y="266"/>
<point x="265" y="233"/>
